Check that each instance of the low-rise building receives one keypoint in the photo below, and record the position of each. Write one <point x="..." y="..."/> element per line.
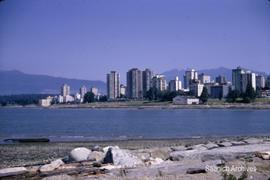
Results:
<point x="46" y="102"/>
<point x="185" y="100"/>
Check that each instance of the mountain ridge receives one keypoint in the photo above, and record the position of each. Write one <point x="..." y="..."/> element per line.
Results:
<point x="17" y="82"/>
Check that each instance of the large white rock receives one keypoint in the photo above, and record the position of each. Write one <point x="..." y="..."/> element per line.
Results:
<point x="12" y="171"/>
<point x="96" y="155"/>
<point x="79" y="154"/>
<point x="52" y="166"/>
<point x="121" y="157"/>
<point x="253" y="141"/>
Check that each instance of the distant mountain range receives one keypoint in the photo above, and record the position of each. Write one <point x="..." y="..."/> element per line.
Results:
<point x="16" y="82"/>
<point x="212" y="72"/>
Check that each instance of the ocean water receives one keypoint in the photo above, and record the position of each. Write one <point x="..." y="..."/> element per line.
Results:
<point x="89" y="124"/>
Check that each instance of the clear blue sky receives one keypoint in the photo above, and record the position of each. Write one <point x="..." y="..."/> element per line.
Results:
<point x="88" y="38"/>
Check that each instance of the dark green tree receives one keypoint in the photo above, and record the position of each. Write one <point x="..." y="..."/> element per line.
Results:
<point x="250" y="94"/>
<point x="103" y="98"/>
<point x="204" y="95"/>
<point x="232" y="96"/>
<point x="89" y="97"/>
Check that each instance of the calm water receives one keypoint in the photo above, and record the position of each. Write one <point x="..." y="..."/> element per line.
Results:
<point x="86" y="124"/>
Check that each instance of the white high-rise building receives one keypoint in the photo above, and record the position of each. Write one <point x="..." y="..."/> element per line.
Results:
<point x="65" y="90"/>
<point x="113" y="85"/>
<point x="83" y="91"/>
<point x="175" y="85"/>
<point x="159" y="82"/>
<point x="189" y="77"/>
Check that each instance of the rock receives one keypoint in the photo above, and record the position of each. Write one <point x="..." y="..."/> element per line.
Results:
<point x="264" y="155"/>
<point x="59" y="177"/>
<point x="121" y="157"/>
<point x="199" y="147"/>
<point x="154" y="161"/>
<point x="211" y="146"/>
<point x="195" y="170"/>
<point x="176" y="156"/>
<point x="52" y="166"/>
<point x="79" y="154"/>
<point x="160" y="153"/>
<point x="225" y="144"/>
<point x="97" y="148"/>
<point x="96" y="156"/>
<point x="142" y="155"/>
<point x="237" y="143"/>
<point x="12" y="171"/>
<point x="105" y="149"/>
<point x="253" y="141"/>
<point x="178" y="148"/>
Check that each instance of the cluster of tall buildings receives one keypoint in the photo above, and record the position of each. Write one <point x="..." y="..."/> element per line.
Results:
<point x="138" y="83"/>
<point x="66" y="97"/>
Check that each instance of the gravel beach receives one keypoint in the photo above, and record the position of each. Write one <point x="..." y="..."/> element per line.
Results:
<point x="12" y="155"/>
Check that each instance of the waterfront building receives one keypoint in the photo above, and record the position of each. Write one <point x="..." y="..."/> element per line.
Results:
<point x="46" y="102"/>
<point x="159" y="82"/>
<point x="221" y="80"/>
<point x="147" y="76"/>
<point x="175" y="85"/>
<point x="189" y="77"/>
<point x="113" y="85"/>
<point x="65" y="90"/>
<point x="267" y="82"/>
<point x="196" y="89"/>
<point x="219" y="91"/>
<point x="94" y="91"/>
<point x="185" y="100"/>
<point x="260" y="82"/>
<point x="122" y="90"/>
<point x="83" y="91"/>
<point x="134" y="88"/>
<point x="204" y="78"/>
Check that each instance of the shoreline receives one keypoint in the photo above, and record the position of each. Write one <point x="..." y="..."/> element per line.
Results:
<point x="119" y="106"/>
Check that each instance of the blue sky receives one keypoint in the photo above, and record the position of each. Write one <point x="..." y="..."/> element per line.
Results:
<point x="88" y="38"/>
